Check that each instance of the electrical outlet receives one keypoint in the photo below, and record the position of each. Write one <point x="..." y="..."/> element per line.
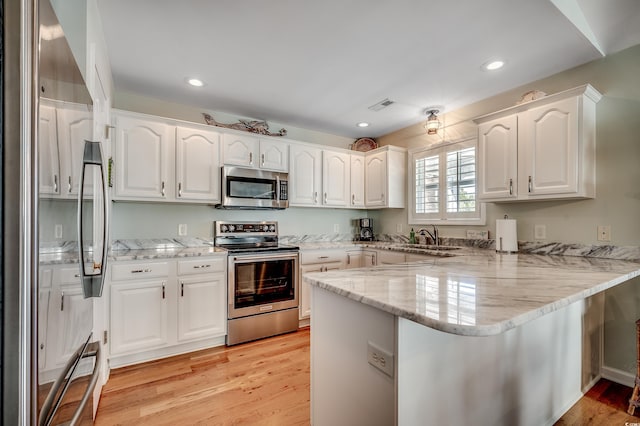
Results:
<point x="604" y="232"/>
<point x="540" y="232"/>
<point x="182" y="229"/>
<point x="380" y="359"/>
<point x="336" y="228"/>
<point x="58" y="231"/>
<point x="398" y="227"/>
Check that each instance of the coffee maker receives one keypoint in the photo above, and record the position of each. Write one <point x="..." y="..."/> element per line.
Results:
<point x="366" y="229"/>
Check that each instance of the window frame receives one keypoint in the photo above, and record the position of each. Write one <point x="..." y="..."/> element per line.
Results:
<point x="442" y="217"/>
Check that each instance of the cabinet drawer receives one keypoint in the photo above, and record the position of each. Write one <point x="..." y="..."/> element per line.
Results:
<point x="201" y="266"/>
<point x="311" y="257"/>
<point x="132" y="271"/>
<point x="70" y="275"/>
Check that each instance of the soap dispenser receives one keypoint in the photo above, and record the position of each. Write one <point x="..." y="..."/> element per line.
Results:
<point x="412" y="237"/>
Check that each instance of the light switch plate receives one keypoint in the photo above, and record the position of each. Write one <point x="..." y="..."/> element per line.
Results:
<point x="182" y="229"/>
<point x="58" y="231"/>
<point x="540" y="232"/>
<point x="604" y="232"/>
<point x="474" y="234"/>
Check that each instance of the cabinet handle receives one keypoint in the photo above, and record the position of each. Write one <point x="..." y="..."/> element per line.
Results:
<point x="315" y="197"/>
<point x="263" y="159"/>
<point x="181" y="288"/>
<point x="179" y="189"/>
<point x="55" y="183"/>
<point x="348" y="259"/>
<point x="201" y="266"/>
<point x="76" y="276"/>
<point x="139" y="271"/>
<point x="163" y="290"/>
<point x="353" y="198"/>
<point x="162" y="188"/>
<point x="510" y="186"/>
<point x="251" y="158"/>
<point x="62" y="301"/>
<point x="530" y="184"/>
<point x="323" y="257"/>
<point x="382" y="195"/>
<point x="325" y="198"/>
<point x="69" y="184"/>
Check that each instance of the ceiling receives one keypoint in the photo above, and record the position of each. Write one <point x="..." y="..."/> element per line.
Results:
<point x="320" y="64"/>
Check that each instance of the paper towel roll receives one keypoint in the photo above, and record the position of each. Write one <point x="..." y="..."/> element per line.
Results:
<point x="506" y="236"/>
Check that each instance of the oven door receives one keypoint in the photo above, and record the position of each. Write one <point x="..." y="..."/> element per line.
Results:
<point x="260" y="283"/>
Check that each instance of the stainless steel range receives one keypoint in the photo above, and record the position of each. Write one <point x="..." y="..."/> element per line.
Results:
<point x="263" y="280"/>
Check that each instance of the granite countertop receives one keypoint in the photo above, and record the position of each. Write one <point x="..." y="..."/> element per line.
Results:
<point x="477" y="292"/>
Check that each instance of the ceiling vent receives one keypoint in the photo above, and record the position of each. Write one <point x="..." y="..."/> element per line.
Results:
<point x="381" y="105"/>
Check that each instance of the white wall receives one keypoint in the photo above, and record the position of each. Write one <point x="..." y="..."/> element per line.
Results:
<point x="617" y="201"/>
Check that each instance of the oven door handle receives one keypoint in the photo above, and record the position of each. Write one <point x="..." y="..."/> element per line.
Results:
<point x="244" y="259"/>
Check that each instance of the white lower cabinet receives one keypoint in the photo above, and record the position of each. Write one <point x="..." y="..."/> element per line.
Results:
<point x="139" y="315"/>
<point x="317" y="261"/>
<point x="354" y="259"/>
<point x="161" y="308"/>
<point x="200" y="303"/>
<point x="369" y="258"/>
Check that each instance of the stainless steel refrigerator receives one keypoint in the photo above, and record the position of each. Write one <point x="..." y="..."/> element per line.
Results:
<point x="55" y="224"/>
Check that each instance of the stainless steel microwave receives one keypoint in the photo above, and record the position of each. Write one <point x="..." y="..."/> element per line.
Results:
<point x="244" y="188"/>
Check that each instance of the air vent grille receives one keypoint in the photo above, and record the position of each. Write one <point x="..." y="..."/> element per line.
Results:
<point x="381" y="105"/>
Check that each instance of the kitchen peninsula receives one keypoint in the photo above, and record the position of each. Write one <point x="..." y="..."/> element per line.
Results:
<point x="475" y="338"/>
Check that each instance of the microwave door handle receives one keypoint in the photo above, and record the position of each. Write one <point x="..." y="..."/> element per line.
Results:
<point x="277" y="188"/>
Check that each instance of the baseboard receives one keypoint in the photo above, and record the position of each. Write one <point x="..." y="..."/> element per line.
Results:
<point x="618" y="376"/>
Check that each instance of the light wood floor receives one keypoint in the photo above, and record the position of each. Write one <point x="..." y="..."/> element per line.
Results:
<point x="265" y="383"/>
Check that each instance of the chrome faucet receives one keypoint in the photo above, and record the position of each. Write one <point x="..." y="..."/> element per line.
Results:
<point x="433" y="235"/>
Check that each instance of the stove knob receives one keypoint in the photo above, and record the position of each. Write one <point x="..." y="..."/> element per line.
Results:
<point x="223" y="228"/>
<point x="265" y="228"/>
<point x="272" y="228"/>
<point x="232" y="228"/>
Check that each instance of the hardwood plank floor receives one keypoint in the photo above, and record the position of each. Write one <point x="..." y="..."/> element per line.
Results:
<point x="266" y="383"/>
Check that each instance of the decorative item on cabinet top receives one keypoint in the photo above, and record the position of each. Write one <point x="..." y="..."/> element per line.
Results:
<point x="531" y="95"/>
<point x="363" y="145"/>
<point x="251" y="126"/>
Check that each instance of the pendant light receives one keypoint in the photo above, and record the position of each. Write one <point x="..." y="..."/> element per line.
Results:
<point x="433" y="124"/>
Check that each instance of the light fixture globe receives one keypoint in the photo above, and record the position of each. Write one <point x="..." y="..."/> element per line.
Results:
<point x="433" y="124"/>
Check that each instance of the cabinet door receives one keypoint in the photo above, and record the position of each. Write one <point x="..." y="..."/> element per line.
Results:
<point x="305" y="179"/>
<point x="354" y="259"/>
<point x="390" y="257"/>
<point x="197" y="165"/>
<point x="357" y="181"/>
<point x="201" y="307"/>
<point x="74" y="127"/>
<point x="139" y="313"/>
<point x="274" y="155"/>
<point x="70" y="316"/>
<point x="369" y="258"/>
<point x="305" y="288"/>
<point x="48" y="153"/>
<point x="143" y="152"/>
<point x="376" y="180"/>
<point x="498" y="158"/>
<point x="336" y="172"/>
<point x="550" y="142"/>
<point x="240" y="150"/>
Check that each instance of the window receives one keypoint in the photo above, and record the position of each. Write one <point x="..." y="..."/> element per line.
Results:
<point x="444" y="185"/>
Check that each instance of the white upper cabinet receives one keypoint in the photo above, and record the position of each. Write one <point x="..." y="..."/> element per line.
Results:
<point x="305" y="176"/>
<point x="255" y="152"/>
<point x="143" y="158"/>
<point x="336" y="176"/>
<point x="197" y="164"/>
<point x="74" y="127"/>
<point x="357" y="181"/>
<point x="544" y="149"/>
<point x="498" y="154"/>
<point x="63" y="128"/>
<point x="49" y="166"/>
<point x="385" y="176"/>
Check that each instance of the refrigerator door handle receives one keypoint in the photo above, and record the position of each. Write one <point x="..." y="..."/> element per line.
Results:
<point x="93" y="282"/>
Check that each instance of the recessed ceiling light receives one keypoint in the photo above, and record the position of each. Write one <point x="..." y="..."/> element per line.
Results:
<point x="195" y="82"/>
<point x="493" y="65"/>
<point x="362" y="124"/>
